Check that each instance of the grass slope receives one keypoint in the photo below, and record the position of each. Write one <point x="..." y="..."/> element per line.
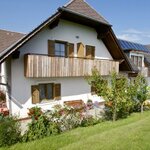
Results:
<point x="132" y="133"/>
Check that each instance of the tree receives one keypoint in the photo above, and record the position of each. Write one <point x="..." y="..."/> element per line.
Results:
<point x="114" y="93"/>
<point x="141" y="90"/>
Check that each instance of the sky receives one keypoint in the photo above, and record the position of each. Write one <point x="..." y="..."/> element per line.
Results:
<point x="130" y="19"/>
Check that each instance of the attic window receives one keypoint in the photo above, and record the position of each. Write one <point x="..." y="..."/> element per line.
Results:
<point x="137" y="60"/>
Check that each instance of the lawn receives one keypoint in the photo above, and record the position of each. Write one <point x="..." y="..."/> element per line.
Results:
<point x="132" y="133"/>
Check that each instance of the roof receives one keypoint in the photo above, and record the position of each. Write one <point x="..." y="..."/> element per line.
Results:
<point x="82" y="7"/>
<point x="148" y="46"/>
<point x="71" y="12"/>
<point x="127" y="45"/>
<point x="7" y="38"/>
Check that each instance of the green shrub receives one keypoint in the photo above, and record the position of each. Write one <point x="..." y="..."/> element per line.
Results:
<point x="10" y="132"/>
<point x="40" y="128"/>
<point x="59" y="120"/>
<point x="89" y="120"/>
<point x="121" y="95"/>
<point x="35" y="112"/>
<point x="66" y="117"/>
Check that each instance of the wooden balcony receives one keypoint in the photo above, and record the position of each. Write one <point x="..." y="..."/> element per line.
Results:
<point x="47" y="66"/>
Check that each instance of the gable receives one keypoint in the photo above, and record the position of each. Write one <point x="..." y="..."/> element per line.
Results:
<point x="68" y="32"/>
<point x="103" y="29"/>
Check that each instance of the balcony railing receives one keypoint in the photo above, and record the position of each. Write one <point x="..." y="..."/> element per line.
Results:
<point x="47" y="66"/>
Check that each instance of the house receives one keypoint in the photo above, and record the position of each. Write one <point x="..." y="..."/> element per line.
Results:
<point x="47" y="66"/>
<point x="7" y="38"/>
<point x="139" y="57"/>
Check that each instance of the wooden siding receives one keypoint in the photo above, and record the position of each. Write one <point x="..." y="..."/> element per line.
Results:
<point x="46" y="66"/>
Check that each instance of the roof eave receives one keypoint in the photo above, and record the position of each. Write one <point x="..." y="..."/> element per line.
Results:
<point x="63" y="9"/>
<point x="7" y="52"/>
<point x="126" y="59"/>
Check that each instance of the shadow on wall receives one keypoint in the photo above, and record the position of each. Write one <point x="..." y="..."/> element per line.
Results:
<point x="70" y="87"/>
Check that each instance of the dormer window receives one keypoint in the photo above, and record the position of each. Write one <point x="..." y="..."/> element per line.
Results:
<point x="137" y="60"/>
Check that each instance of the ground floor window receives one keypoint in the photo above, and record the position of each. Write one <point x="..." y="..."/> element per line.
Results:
<point x="45" y="92"/>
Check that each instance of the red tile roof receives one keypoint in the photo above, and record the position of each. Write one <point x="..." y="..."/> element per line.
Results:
<point x="7" y="38"/>
<point x="80" y="6"/>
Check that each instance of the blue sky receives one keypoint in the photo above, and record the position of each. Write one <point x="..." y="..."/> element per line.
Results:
<point x="130" y="18"/>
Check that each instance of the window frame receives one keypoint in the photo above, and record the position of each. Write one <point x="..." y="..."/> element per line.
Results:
<point x="92" y="51"/>
<point x="45" y="91"/>
<point x="137" y="59"/>
<point x="65" y="48"/>
<point x="55" y="92"/>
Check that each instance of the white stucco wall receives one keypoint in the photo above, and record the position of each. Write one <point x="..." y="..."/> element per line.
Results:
<point x="72" y="88"/>
<point x="67" y="31"/>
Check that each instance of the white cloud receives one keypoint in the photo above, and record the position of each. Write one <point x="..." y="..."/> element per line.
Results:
<point x="135" y="35"/>
<point x="130" y="37"/>
<point x="133" y="31"/>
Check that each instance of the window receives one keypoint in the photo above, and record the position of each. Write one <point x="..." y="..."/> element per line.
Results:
<point x="137" y="60"/>
<point x="140" y="61"/>
<point x="49" y="91"/>
<point x="87" y="51"/>
<point x="90" y="51"/>
<point x="46" y="91"/>
<point x="60" y="48"/>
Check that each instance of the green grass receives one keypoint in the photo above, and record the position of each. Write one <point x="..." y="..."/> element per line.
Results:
<point x="132" y="133"/>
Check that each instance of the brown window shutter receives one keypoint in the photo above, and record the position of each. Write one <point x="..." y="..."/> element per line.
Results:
<point x="80" y="50"/>
<point x="51" y="47"/>
<point x="93" y="52"/>
<point x="90" y="51"/>
<point x="57" y="91"/>
<point x="70" y="49"/>
<point x="35" y="94"/>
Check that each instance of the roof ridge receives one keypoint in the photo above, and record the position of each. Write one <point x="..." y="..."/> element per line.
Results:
<point x="70" y="2"/>
<point x="12" y="31"/>
<point x="82" y="7"/>
<point x="67" y="4"/>
<point x="94" y="10"/>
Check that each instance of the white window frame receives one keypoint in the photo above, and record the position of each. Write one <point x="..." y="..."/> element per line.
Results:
<point x="138" y="55"/>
